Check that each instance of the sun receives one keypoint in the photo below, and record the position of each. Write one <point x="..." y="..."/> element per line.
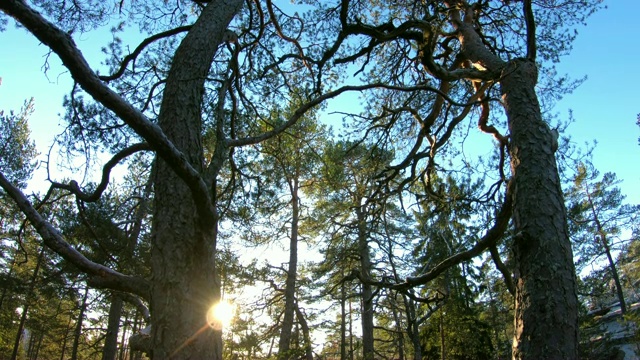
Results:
<point x="220" y="315"/>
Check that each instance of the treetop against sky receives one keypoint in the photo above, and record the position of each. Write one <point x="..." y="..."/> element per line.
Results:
<point x="208" y="102"/>
<point x="604" y="106"/>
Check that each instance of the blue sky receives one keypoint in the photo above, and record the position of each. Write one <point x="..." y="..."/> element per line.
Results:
<point x="604" y="107"/>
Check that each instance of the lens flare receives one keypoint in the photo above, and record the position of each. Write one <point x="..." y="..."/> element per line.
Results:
<point x="220" y="315"/>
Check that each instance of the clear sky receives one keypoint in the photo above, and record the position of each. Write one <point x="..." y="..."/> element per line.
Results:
<point x="605" y="106"/>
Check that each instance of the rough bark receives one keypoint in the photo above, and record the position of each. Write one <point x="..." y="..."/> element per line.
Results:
<point x="546" y="311"/>
<point x="184" y="281"/>
<point x="546" y="306"/>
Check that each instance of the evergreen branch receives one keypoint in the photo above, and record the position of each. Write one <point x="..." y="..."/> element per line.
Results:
<point x="100" y="275"/>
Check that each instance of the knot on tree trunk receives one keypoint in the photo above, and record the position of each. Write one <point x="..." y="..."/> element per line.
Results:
<point x="520" y="67"/>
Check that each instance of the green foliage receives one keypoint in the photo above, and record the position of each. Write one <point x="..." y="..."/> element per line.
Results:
<point x="352" y="189"/>
<point x="462" y="334"/>
<point x="594" y="199"/>
<point x="600" y="224"/>
<point x="17" y="151"/>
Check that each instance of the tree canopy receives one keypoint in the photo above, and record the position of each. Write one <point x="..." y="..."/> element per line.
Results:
<point x="215" y="114"/>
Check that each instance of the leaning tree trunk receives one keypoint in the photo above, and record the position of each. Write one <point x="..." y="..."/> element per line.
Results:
<point x="546" y="309"/>
<point x="546" y="301"/>
<point x="614" y="273"/>
<point x="607" y="250"/>
<point x="184" y="284"/>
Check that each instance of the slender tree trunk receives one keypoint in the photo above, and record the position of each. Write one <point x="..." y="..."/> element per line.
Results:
<point x="16" y="344"/>
<point x="27" y="301"/>
<point x="292" y="272"/>
<point x="66" y="338"/>
<point x="614" y="273"/>
<point x="367" y="291"/>
<point x="343" y="322"/>
<point x="413" y="324"/>
<point x="123" y="349"/>
<point x="183" y="248"/>
<point x="78" y="330"/>
<point x="306" y="333"/>
<point x="442" y="342"/>
<point x="607" y="249"/>
<point x="351" y="354"/>
<point x="37" y="349"/>
<point x="110" y="349"/>
<point x="31" y="345"/>
<point x="398" y="330"/>
<point x="546" y="306"/>
<point x="412" y="329"/>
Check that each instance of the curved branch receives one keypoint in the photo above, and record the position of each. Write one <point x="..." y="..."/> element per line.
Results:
<point x="473" y="48"/>
<point x="295" y="42"/>
<point x="135" y="301"/>
<point x="74" y="188"/>
<point x="484" y="118"/>
<point x="127" y="59"/>
<point x="62" y="44"/>
<point x="508" y="280"/>
<point x="100" y="275"/>
<point x="489" y="239"/>
<point x="331" y="94"/>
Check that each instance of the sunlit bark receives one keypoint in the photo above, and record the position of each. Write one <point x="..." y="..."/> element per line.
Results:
<point x="185" y="284"/>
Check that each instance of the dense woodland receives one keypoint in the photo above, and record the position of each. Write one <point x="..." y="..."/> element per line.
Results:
<point x="444" y="215"/>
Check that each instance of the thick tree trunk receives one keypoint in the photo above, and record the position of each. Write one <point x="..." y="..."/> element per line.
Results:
<point x="290" y="286"/>
<point x="546" y="301"/>
<point x="546" y="309"/>
<point x="367" y="292"/>
<point x="184" y="283"/>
